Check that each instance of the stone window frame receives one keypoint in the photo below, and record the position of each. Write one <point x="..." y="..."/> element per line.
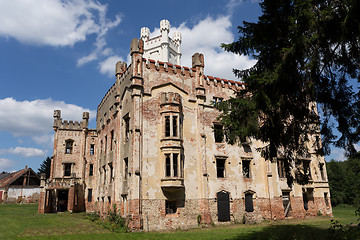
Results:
<point x="91" y="169"/>
<point x="220" y="164"/>
<point x="172" y="125"/>
<point x="67" y="172"/>
<point x="249" y="196"/>
<point x="92" y="149"/>
<point x="281" y="168"/>
<point x="218" y="132"/>
<point x="90" y="195"/>
<point x="170" y="161"/>
<point x="126" y="120"/>
<point x="69" y="146"/>
<point x="246" y="172"/>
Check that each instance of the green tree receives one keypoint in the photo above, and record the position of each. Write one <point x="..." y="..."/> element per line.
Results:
<point x="45" y="167"/>
<point x="307" y="51"/>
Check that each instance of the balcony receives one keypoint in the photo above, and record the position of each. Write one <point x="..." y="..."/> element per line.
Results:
<point x="172" y="184"/>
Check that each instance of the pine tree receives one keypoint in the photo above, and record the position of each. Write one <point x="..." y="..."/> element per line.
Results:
<point x="45" y="167"/>
<point x="307" y="51"/>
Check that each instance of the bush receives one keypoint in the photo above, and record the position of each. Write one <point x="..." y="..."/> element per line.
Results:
<point x="113" y="220"/>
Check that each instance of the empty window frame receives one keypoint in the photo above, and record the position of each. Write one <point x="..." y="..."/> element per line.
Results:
<point x="326" y="199"/>
<point x="246" y="168"/>
<point x="92" y="149"/>
<point x="111" y="172"/>
<point x="111" y="140"/>
<point x="89" y="198"/>
<point x="105" y="144"/>
<point x="249" y="205"/>
<point x="104" y="169"/>
<point x="322" y="171"/>
<point x="218" y="133"/>
<point x="170" y="207"/>
<point x="171" y="126"/>
<point x="126" y="168"/>
<point x="127" y="128"/>
<point x="281" y="168"/>
<point x="306" y="168"/>
<point x="91" y="169"/>
<point x="173" y="165"/>
<point x="220" y="167"/>
<point x="69" y="146"/>
<point x="67" y="169"/>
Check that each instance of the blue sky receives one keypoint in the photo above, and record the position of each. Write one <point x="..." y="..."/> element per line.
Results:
<point x="61" y="54"/>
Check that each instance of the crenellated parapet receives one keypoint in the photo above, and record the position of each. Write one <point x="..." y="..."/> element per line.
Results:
<point x="71" y="125"/>
<point x="163" y="47"/>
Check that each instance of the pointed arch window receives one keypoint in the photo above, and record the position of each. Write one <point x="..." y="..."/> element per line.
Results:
<point x="69" y="146"/>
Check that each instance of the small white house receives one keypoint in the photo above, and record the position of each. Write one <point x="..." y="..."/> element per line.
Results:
<point x="21" y="186"/>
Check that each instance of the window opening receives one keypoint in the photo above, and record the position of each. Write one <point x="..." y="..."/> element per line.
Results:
<point x="105" y="144"/>
<point x="306" y="201"/>
<point x="168" y="165"/>
<point x="220" y="167"/>
<point x="170" y="207"/>
<point x="167" y="126"/>
<point x="111" y="140"/>
<point x="322" y="172"/>
<point x="246" y="168"/>
<point x="281" y="168"/>
<point x="218" y="133"/>
<point x="286" y="202"/>
<point x="92" y="149"/>
<point x="175" y="164"/>
<point x="69" y="146"/>
<point x="89" y="195"/>
<point x="249" y="206"/>
<point x="306" y="166"/>
<point x="111" y="172"/>
<point x="175" y="126"/>
<point x="127" y="128"/>
<point x="91" y="169"/>
<point x="326" y="199"/>
<point x="67" y="169"/>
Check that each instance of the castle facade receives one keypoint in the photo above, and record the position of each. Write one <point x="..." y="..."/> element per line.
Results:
<point x="159" y="156"/>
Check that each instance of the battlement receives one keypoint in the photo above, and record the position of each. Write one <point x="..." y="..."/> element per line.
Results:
<point x="162" y="48"/>
<point x="71" y="125"/>
<point x="190" y="72"/>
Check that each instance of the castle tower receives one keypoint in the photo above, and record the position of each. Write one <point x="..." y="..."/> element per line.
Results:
<point x="162" y="48"/>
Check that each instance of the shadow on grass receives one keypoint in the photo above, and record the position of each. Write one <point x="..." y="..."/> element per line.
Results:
<point x="286" y="232"/>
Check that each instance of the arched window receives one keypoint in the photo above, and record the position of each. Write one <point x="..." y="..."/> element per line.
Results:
<point x="69" y="146"/>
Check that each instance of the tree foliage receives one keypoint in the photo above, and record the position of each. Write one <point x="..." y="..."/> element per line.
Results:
<point x="45" y="167"/>
<point x="307" y="51"/>
<point x="344" y="181"/>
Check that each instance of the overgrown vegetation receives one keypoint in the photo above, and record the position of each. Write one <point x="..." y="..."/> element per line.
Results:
<point x="112" y="221"/>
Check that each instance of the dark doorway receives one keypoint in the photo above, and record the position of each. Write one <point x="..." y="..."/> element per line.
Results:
<point x="223" y="204"/>
<point x="62" y="200"/>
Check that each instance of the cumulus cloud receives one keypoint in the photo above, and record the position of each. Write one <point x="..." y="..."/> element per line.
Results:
<point x="53" y="22"/>
<point x="58" y="23"/>
<point x="5" y="163"/>
<point x="205" y="37"/>
<point x="34" y="118"/>
<point x="108" y="65"/>
<point x="24" y="151"/>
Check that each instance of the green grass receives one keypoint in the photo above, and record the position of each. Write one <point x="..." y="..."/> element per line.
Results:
<point x="23" y="222"/>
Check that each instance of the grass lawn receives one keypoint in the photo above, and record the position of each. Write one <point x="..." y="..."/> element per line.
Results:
<point x="23" y="222"/>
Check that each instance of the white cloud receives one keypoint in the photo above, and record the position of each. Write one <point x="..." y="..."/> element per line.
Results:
<point x="53" y="22"/>
<point x="35" y="118"/>
<point x="24" y="151"/>
<point x="5" y="163"/>
<point x="205" y="37"/>
<point x="108" y="65"/>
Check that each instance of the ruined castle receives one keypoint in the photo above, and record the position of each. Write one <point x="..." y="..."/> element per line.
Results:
<point x="158" y="153"/>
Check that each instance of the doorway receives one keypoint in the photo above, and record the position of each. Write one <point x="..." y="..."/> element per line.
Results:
<point x="62" y="200"/>
<point x="223" y="205"/>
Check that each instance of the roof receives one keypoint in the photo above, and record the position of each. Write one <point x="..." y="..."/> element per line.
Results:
<point x="12" y="177"/>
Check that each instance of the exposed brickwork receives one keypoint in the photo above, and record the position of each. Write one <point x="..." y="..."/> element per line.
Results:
<point x="154" y="155"/>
